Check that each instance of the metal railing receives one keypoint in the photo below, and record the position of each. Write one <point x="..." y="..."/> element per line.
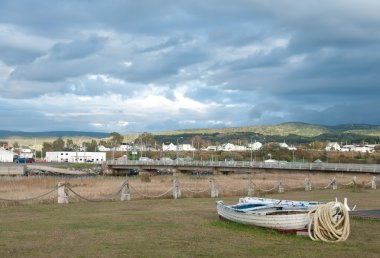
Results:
<point x="371" y="168"/>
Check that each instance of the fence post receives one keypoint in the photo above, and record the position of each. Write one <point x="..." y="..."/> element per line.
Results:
<point x="373" y="183"/>
<point x="334" y="185"/>
<point x="176" y="189"/>
<point x="125" y="195"/>
<point x="63" y="195"/>
<point x="214" y="189"/>
<point x="251" y="187"/>
<point x="280" y="186"/>
<point x="308" y="184"/>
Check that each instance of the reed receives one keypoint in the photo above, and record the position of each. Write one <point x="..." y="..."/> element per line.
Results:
<point x="106" y="188"/>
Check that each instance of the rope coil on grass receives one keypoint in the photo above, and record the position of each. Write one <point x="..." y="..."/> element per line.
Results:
<point x="329" y="222"/>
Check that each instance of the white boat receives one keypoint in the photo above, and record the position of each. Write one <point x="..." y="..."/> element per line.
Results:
<point x="284" y="218"/>
<point x="269" y="201"/>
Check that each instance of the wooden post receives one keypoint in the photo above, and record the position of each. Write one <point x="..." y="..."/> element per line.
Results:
<point x="63" y="196"/>
<point x="373" y="183"/>
<point x="176" y="189"/>
<point x="251" y="187"/>
<point x="125" y="195"/>
<point x="214" y="189"/>
<point x="308" y="184"/>
<point x="334" y="185"/>
<point x="281" y="187"/>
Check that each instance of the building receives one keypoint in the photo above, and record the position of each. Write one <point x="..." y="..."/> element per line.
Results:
<point x="211" y="148"/>
<point x="124" y="147"/>
<point x="186" y="147"/>
<point x="6" y="156"/>
<point x="255" y="146"/>
<point x="169" y="147"/>
<point x="26" y="153"/>
<point x="232" y="147"/>
<point x="102" y="148"/>
<point x="75" y="157"/>
<point x="332" y="146"/>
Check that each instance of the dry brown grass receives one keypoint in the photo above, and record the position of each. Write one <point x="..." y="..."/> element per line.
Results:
<point x="103" y="188"/>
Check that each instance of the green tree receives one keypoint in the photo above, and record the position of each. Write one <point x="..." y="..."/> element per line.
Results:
<point x="116" y="139"/>
<point x="198" y="142"/>
<point x="70" y="145"/>
<point x="59" y="145"/>
<point x="46" y="146"/>
<point x="146" y="139"/>
<point x="91" y="146"/>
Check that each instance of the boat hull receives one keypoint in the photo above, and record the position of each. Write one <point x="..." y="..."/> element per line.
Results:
<point x="287" y="221"/>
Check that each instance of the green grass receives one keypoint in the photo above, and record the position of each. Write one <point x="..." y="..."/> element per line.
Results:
<point x="169" y="228"/>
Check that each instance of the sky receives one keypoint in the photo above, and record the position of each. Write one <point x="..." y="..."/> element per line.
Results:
<point x="134" y="66"/>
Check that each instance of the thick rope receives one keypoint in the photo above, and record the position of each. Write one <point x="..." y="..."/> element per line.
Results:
<point x="80" y="196"/>
<point x="116" y="193"/>
<point x="350" y="183"/>
<point x="266" y="190"/>
<point x="150" y="196"/>
<point x="29" y="199"/>
<point x="195" y="192"/>
<point x="329" y="222"/>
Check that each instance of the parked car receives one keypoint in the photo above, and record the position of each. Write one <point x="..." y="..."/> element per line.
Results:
<point x="24" y="160"/>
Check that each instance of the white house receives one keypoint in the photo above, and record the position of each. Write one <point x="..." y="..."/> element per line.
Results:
<point x="283" y="145"/>
<point x="232" y="147"/>
<point x="186" y="147"/>
<point x="286" y="146"/>
<point x="26" y="153"/>
<point x="255" y="146"/>
<point x="169" y="147"/>
<point x="102" y="148"/>
<point x="228" y="147"/>
<point x="75" y="157"/>
<point x="123" y="147"/>
<point x="211" y="148"/>
<point x="6" y="156"/>
<point x="332" y="146"/>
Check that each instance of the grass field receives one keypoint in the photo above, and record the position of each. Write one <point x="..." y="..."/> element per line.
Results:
<point x="186" y="227"/>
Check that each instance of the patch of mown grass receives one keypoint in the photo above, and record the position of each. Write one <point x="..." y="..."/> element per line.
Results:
<point x="166" y="228"/>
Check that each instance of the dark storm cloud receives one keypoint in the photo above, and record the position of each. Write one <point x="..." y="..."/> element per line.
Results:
<point x="252" y="62"/>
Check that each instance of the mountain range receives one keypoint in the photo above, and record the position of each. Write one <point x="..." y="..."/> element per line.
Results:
<point x="291" y="132"/>
<point x="56" y="134"/>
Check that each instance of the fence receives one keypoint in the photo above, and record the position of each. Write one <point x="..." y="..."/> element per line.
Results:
<point x="125" y="192"/>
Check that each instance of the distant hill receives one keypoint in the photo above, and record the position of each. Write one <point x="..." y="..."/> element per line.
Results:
<point x="286" y="129"/>
<point x="292" y="132"/>
<point x="55" y="134"/>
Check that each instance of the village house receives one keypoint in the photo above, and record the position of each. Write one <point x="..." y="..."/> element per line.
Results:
<point x="6" y="155"/>
<point x="332" y="146"/>
<point x="255" y="146"/>
<point x="169" y="147"/>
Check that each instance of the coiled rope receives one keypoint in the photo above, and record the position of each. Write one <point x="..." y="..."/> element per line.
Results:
<point x="329" y="222"/>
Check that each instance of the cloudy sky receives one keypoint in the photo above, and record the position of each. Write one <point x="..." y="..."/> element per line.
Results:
<point x="132" y="66"/>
